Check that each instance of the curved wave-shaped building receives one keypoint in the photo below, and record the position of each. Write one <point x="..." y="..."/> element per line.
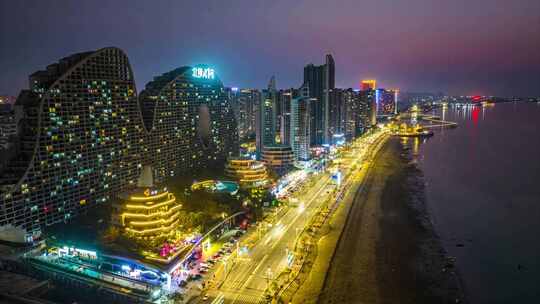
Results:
<point x="82" y="140"/>
<point x="190" y="121"/>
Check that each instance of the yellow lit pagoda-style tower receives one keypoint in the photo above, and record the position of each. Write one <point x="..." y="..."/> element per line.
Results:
<point x="149" y="211"/>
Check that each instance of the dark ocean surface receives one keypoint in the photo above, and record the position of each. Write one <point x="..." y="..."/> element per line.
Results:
<point x="483" y="194"/>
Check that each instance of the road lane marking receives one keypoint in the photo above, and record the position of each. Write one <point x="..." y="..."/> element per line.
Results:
<point x="259" y="265"/>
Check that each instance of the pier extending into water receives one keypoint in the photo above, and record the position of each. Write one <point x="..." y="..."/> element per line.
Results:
<point x="436" y="122"/>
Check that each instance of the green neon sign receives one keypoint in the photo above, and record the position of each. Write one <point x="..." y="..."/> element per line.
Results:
<point x="204" y="73"/>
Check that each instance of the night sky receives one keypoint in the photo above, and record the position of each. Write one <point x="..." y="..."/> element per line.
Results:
<point x="489" y="47"/>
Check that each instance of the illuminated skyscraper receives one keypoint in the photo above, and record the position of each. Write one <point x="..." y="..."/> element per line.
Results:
<point x="368" y="84"/>
<point x="320" y="81"/>
<point x="357" y="112"/>
<point x="285" y="125"/>
<point x="190" y="121"/>
<point x="300" y="124"/>
<point x="386" y="102"/>
<point x="267" y="117"/>
<point x="337" y="112"/>
<point x="245" y="103"/>
<point x="369" y="98"/>
<point x="81" y="141"/>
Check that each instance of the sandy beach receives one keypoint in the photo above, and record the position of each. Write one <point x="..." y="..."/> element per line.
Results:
<point x="388" y="251"/>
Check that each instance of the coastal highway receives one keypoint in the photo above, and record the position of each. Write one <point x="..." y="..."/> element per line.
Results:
<point x="248" y="277"/>
<point x="245" y="278"/>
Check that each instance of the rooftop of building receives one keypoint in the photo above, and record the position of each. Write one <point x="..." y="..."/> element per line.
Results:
<point x="47" y="77"/>
<point x="159" y="82"/>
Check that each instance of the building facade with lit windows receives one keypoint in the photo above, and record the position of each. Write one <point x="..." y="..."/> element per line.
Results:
<point x="246" y="103"/>
<point x="80" y="144"/>
<point x="279" y="158"/>
<point x="320" y="80"/>
<point x="190" y="122"/>
<point x="358" y="112"/>
<point x="286" y="97"/>
<point x="267" y="117"/>
<point x="301" y="124"/>
<point x="247" y="172"/>
<point x="386" y="102"/>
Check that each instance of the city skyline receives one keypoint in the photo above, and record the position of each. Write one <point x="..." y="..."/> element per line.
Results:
<point x="409" y="50"/>
<point x="250" y="151"/>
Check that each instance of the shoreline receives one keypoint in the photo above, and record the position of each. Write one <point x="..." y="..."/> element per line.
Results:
<point x="387" y="251"/>
<point x="428" y="273"/>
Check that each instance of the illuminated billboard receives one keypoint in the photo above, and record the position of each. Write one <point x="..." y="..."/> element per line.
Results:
<point x="203" y="73"/>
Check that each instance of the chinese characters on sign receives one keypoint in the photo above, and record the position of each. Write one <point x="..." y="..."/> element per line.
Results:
<point x="206" y="73"/>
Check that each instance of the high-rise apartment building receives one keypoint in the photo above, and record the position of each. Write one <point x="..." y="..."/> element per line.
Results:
<point x="356" y="113"/>
<point x="81" y="141"/>
<point x="285" y="125"/>
<point x="189" y="119"/>
<point x="320" y="81"/>
<point x="337" y="112"/>
<point x="386" y="102"/>
<point x="369" y="98"/>
<point x="300" y="123"/>
<point x="245" y="103"/>
<point x="8" y="130"/>
<point x="267" y="117"/>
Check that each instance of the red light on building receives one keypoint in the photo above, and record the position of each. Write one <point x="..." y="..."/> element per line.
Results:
<point x="368" y="84"/>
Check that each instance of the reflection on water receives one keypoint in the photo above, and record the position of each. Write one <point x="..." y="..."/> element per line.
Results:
<point x="483" y="195"/>
<point x="414" y="143"/>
